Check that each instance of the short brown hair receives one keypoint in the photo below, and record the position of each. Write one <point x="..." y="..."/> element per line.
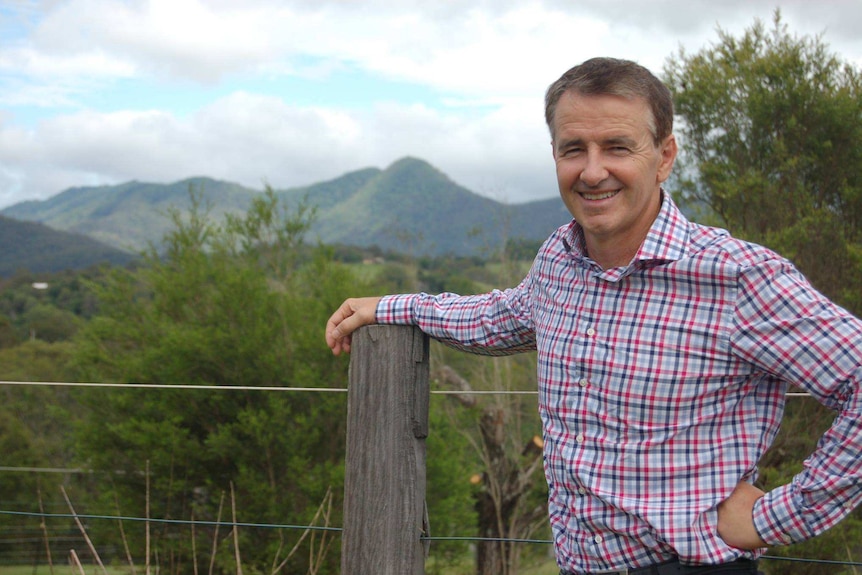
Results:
<point x="610" y="76"/>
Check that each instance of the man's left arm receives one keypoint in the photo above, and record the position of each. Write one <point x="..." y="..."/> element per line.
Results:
<point x="790" y="330"/>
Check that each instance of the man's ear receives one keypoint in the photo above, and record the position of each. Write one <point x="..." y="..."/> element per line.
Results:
<point x="668" y="151"/>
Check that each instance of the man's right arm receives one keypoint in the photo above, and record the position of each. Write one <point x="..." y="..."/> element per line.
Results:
<point x="350" y="316"/>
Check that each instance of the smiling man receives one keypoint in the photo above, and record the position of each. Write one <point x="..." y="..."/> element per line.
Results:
<point x="665" y="349"/>
<point x="610" y="166"/>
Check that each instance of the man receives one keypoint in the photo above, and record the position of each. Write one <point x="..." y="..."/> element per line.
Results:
<point x="665" y="349"/>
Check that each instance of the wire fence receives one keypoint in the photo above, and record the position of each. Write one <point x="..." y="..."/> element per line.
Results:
<point x="323" y="528"/>
<point x="276" y="388"/>
<point x="36" y="536"/>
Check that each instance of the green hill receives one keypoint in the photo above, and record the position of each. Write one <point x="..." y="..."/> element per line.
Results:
<point x="128" y="216"/>
<point x="409" y="207"/>
<point x="37" y="248"/>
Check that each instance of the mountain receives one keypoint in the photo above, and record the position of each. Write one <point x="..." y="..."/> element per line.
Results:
<point x="412" y="206"/>
<point x="37" y="248"/>
<point x="128" y="216"/>
<point x="409" y="207"/>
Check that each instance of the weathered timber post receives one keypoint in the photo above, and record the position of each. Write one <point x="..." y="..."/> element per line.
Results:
<point x="387" y="423"/>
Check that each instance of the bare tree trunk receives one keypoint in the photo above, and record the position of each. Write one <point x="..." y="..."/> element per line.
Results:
<point x="508" y="478"/>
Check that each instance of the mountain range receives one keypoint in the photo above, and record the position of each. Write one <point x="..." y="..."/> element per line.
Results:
<point x="408" y="207"/>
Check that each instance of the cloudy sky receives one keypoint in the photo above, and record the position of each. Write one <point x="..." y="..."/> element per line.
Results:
<point x="294" y="92"/>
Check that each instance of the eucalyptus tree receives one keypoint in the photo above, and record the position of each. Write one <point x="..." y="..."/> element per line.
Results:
<point x="770" y="128"/>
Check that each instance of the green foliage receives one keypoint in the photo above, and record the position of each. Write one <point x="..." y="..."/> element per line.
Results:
<point x="52" y="312"/>
<point x="35" y="428"/>
<point x="450" y="463"/>
<point x="233" y="305"/>
<point x="449" y="274"/>
<point x="770" y="132"/>
<point x="50" y="324"/>
<point x="520" y="249"/>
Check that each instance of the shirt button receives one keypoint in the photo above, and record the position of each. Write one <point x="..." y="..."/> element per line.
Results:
<point x="598" y="539"/>
<point x="582" y="491"/>
<point x="580" y="438"/>
<point x="583" y="382"/>
<point x="591" y="332"/>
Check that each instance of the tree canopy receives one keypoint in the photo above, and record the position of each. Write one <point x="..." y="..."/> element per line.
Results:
<point x="770" y="128"/>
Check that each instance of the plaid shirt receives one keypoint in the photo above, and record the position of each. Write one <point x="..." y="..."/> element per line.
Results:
<point x="662" y="383"/>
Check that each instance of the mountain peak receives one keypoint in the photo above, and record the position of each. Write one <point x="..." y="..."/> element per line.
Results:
<point x="410" y="198"/>
<point x="408" y="162"/>
<point x="414" y="166"/>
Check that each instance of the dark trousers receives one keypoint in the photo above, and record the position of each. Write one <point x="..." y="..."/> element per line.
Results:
<point x="674" y="567"/>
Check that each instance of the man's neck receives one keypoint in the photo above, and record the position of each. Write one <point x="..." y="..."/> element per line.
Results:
<point x="611" y="256"/>
<point x="616" y="250"/>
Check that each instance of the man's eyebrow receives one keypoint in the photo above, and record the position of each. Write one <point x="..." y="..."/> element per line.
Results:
<point x="569" y="142"/>
<point x="607" y="142"/>
<point x="619" y="141"/>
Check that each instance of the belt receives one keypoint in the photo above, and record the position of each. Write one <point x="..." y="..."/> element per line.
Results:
<point x="674" y="567"/>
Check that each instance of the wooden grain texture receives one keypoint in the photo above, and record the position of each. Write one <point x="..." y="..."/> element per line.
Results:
<point x="387" y="422"/>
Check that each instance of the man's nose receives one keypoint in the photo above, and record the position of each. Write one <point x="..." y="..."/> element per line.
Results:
<point x="594" y="171"/>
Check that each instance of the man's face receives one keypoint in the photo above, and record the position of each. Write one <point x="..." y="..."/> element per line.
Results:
<point x="609" y="168"/>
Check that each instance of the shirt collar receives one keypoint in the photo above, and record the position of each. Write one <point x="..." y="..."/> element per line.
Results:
<point x="666" y="240"/>
<point x="668" y="236"/>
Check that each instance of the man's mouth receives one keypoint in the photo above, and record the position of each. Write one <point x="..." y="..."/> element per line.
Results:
<point x="599" y="196"/>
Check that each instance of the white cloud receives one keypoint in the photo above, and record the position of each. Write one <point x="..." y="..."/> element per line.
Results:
<point x="174" y="38"/>
<point x="485" y="63"/>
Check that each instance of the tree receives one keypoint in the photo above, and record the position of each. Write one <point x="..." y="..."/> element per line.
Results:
<point x="770" y="132"/>
<point x="238" y="304"/>
<point x="511" y="495"/>
<point x="36" y="426"/>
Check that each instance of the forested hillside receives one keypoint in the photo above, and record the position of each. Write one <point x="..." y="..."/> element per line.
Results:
<point x="409" y="206"/>
<point x="37" y="248"/>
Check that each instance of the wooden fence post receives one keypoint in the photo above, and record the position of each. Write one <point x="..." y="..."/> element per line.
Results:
<point x="387" y="423"/>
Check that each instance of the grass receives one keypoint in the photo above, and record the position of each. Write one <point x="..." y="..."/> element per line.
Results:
<point x="62" y="568"/>
<point x="529" y="566"/>
<point x="548" y="568"/>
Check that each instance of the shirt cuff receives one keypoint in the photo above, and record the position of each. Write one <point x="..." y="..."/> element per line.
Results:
<point x="777" y="520"/>
<point x="396" y="309"/>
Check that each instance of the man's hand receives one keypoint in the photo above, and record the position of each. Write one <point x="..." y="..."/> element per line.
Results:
<point x="353" y="314"/>
<point x="736" y="518"/>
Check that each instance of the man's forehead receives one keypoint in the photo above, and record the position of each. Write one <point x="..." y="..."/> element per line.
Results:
<point x="615" y="116"/>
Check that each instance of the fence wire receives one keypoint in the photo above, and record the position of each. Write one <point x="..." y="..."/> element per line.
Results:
<point x="467" y="539"/>
<point x="252" y="525"/>
<point x="139" y="385"/>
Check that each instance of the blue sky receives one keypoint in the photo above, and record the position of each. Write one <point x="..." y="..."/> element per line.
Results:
<point x="293" y="92"/>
